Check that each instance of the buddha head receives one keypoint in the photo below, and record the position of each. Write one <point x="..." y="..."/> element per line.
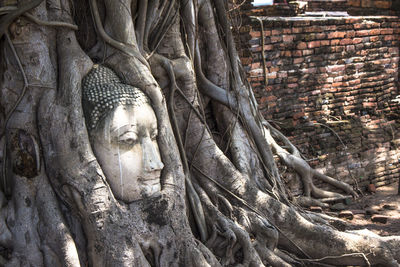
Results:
<point x="123" y="133"/>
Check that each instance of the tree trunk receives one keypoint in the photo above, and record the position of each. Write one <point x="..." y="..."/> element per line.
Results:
<point x="221" y="203"/>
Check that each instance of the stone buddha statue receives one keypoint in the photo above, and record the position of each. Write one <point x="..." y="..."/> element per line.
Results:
<point x="123" y="130"/>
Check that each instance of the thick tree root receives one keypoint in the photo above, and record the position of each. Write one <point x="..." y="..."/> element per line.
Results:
<point x="293" y="160"/>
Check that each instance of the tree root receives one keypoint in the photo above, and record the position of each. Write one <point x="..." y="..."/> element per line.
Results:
<point x="293" y="160"/>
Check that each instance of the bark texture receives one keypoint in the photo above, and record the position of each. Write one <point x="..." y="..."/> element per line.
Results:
<point x="222" y="201"/>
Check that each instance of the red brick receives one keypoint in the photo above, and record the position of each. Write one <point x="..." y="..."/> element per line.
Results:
<point x="308" y="52"/>
<point x="367" y="3"/>
<point x="358" y="26"/>
<point x="346" y="41"/>
<point x="287" y="31"/>
<point x="350" y="34"/>
<point x="282" y="74"/>
<point x="389" y="37"/>
<point x="375" y="32"/>
<point x="325" y="42"/>
<point x="314" y="44"/>
<point x="276" y="32"/>
<point x="374" y="38"/>
<point x="309" y="70"/>
<point x="298" y="60"/>
<point x="297" y="53"/>
<point x="335" y="42"/>
<point x="267" y="33"/>
<point x="334" y="35"/>
<point x="276" y="39"/>
<point x="354" y="3"/>
<point x="369" y="105"/>
<point x="301" y="46"/>
<point x="268" y="47"/>
<point x="357" y="40"/>
<point x="313" y="28"/>
<point x="255" y="34"/>
<point x="297" y="30"/>
<point x="386" y="31"/>
<point x="288" y="38"/>
<point x="336" y="68"/>
<point x="337" y="84"/>
<point x="363" y="33"/>
<point x="383" y="4"/>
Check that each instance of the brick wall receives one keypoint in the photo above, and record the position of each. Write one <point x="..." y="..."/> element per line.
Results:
<point x="353" y="7"/>
<point x="329" y="87"/>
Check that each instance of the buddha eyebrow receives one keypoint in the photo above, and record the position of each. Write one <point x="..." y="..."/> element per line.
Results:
<point x="122" y="129"/>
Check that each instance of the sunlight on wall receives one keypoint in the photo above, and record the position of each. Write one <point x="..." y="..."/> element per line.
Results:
<point x="263" y="2"/>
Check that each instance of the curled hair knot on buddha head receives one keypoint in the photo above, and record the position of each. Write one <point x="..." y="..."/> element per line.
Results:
<point x="102" y="91"/>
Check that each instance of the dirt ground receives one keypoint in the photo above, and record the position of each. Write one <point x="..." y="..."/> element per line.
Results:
<point x="384" y="202"/>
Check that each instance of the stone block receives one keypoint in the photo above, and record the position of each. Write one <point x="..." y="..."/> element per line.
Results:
<point x="390" y="206"/>
<point x="379" y="219"/>
<point x="346" y="214"/>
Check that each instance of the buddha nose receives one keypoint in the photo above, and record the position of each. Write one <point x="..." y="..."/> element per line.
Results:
<point x="151" y="156"/>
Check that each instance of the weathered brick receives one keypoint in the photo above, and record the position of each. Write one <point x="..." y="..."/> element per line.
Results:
<point x="276" y="32"/>
<point x="288" y="38"/>
<point x="354" y="3"/>
<point x="325" y="42"/>
<point x="346" y="41"/>
<point x="363" y="33"/>
<point x="302" y="45"/>
<point x="276" y="39"/>
<point x="335" y="42"/>
<point x="298" y="60"/>
<point x="352" y="65"/>
<point x="350" y="34"/>
<point x="297" y="53"/>
<point x="314" y="44"/>
<point x="334" y="35"/>
<point x="386" y="31"/>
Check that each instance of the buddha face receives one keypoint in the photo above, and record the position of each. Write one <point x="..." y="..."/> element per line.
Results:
<point x="126" y="147"/>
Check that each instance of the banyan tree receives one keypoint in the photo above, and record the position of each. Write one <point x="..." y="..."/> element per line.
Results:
<point x="131" y="137"/>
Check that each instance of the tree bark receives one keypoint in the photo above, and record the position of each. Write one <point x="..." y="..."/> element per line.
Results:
<point x="222" y="202"/>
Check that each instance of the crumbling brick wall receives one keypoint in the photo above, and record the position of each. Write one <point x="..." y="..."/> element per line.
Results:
<point x="329" y="86"/>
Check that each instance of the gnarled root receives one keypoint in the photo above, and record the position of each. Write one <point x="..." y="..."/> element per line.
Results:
<point x="292" y="159"/>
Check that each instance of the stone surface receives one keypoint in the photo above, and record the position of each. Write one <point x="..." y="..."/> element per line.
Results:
<point x="379" y="219"/>
<point x="390" y="206"/>
<point x="346" y="214"/>
<point x="355" y="212"/>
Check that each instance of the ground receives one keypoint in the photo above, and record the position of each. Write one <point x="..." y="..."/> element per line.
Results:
<point x="384" y="202"/>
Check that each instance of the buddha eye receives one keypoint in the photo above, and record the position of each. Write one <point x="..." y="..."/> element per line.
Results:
<point x="128" y="139"/>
